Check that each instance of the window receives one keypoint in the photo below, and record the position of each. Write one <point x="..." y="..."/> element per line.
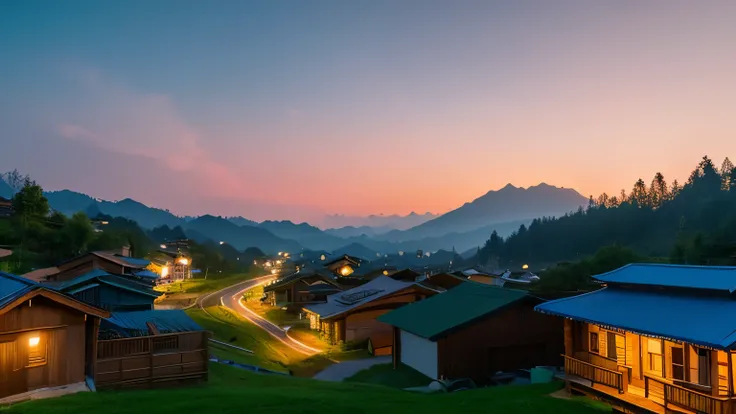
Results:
<point x="678" y="363"/>
<point x="594" y="342"/>
<point x="654" y="356"/>
<point x="36" y="350"/>
<point x="703" y="366"/>
<point x="611" y="345"/>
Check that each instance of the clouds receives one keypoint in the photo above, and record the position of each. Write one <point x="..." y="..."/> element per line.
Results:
<point x="119" y="119"/>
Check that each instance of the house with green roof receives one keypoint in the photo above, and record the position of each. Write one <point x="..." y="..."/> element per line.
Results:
<point x="474" y="331"/>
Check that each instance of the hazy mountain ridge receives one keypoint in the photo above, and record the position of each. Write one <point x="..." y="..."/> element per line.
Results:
<point x="394" y="221"/>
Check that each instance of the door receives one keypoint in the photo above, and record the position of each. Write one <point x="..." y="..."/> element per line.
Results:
<point x="12" y="375"/>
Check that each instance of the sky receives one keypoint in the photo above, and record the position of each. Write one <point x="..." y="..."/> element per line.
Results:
<point x="295" y="109"/>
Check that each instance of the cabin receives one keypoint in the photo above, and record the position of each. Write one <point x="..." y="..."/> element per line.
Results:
<point x="48" y="340"/>
<point x="443" y="281"/>
<point x="173" y="263"/>
<point x="343" y="265"/>
<point x="350" y="316"/>
<point x="474" y="331"/>
<point x="656" y="338"/>
<point x="308" y="285"/>
<point x="108" y="291"/>
<point x="110" y="262"/>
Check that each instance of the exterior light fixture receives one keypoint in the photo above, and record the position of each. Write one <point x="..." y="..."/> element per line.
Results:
<point x="163" y="246"/>
<point x="184" y="261"/>
<point x="221" y="243"/>
<point x="34" y="341"/>
<point x="526" y="266"/>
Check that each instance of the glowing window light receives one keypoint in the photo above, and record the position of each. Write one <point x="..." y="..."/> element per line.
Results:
<point x="34" y="341"/>
<point x="165" y="271"/>
<point x="526" y="266"/>
<point x="385" y="272"/>
<point x="184" y="261"/>
<point x="346" y="270"/>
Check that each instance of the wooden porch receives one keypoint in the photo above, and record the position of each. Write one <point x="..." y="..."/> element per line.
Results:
<point x="152" y="361"/>
<point x="658" y="395"/>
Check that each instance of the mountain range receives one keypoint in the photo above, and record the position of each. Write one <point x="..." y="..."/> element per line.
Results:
<point x="389" y="222"/>
<point x="462" y="229"/>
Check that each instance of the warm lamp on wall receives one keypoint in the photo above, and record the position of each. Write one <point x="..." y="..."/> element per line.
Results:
<point x="526" y="266"/>
<point x="346" y="270"/>
<point x="184" y="261"/>
<point x="34" y="341"/>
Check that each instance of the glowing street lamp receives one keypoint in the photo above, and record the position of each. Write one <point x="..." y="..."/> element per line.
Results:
<point x="221" y="243"/>
<point x="163" y="246"/>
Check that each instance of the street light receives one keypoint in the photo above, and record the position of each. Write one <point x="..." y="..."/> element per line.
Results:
<point x="163" y="246"/>
<point x="221" y="243"/>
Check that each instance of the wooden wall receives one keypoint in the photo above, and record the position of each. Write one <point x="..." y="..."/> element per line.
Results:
<point x="513" y="338"/>
<point x="62" y="332"/>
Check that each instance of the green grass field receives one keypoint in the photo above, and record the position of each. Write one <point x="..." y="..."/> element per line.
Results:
<point x="202" y="285"/>
<point x="386" y="375"/>
<point x="231" y="390"/>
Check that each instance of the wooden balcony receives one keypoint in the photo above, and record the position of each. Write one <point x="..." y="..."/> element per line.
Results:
<point x="683" y="398"/>
<point x="594" y="373"/>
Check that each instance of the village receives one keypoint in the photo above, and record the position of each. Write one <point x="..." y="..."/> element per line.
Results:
<point x="95" y="323"/>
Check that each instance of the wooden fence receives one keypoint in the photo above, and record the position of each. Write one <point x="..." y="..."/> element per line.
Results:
<point x="152" y="361"/>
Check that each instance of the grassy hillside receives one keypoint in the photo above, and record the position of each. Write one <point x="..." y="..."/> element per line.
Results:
<point x="234" y="391"/>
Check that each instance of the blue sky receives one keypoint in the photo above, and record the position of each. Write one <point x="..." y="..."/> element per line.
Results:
<point x="266" y="108"/>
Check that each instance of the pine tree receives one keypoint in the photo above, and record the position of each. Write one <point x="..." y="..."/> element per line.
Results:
<point x="727" y="169"/>
<point x="658" y="192"/>
<point x="675" y="189"/>
<point x="639" y="195"/>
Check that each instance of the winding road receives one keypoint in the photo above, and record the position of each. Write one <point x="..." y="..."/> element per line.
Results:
<point x="230" y="298"/>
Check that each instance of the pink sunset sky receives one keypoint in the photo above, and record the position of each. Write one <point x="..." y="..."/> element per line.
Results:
<point x="289" y="110"/>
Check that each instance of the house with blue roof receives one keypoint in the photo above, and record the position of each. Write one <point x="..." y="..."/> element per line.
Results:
<point x="109" y="291"/>
<point x="48" y="340"/>
<point x="654" y="338"/>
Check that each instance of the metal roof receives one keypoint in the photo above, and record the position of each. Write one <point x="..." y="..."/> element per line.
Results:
<point x="147" y="274"/>
<point x="342" y="302"/>
<point x="654" y="313"/>
<point x="13" y="287"/>
<point x="460" y="305"/>
<point x="101" y="276"/>
<point x="134" y="323"/>
<point x="669" y="275"/>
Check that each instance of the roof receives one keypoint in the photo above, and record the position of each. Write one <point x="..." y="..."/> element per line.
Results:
<point x="651" y="313"/>
<point x="123" y="260"/>
<point x="101" y="276"/>
<point x="342" y="302"/>
<point x="5" y="253"/>
<point x="15" y="288"/>
<point x="457" y="307"/>
<point x="679" y="276"/>
<point x="41" y="274"/>
<point x="135" y="323"/>
<point x="146" y="274"/>
<point x="301" y="274"/>
<point x="352" y="259"/>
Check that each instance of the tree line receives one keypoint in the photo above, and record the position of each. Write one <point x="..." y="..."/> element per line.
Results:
<point x="693" y="223"/>
<point x="40" y="237"/>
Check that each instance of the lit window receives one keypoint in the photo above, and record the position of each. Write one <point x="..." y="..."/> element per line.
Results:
<point x="36" y="350"/>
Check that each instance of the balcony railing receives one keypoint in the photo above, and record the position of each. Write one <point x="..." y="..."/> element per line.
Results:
<point x="686" y="398"/>
<point x="594" y="373"/>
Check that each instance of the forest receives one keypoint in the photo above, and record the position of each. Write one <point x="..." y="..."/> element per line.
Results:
<point x="40" y="237"/>
<point x="693" y="223"/>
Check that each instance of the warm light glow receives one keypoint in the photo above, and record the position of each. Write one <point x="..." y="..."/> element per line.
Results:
<point x="33" y="341"/>
<point x="322" y="257"/>
<point x="346" y="270"/>
<point x="268" y="264"/>
<point x="221" y="243"/>
<point x="385" y="272"/>
<point x="163" y="246"/>
<point x="184" y="261"/>
<point x="286" y="254"/>
<point x="281" y="253"/>
<point x="278" y="262"/>
<point x="274" y="271"/>
<point x="526" y="266"/>
<point x="105" y="222"/>
<point x="164" y="271"/>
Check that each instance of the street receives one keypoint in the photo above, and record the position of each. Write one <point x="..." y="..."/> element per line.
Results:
<point x="230" y="298"/>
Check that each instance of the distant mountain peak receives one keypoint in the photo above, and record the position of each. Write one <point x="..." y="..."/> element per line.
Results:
<point x="508" y="186"/>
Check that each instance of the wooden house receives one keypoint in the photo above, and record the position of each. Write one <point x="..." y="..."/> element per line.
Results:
<point x="308" y="285"/>
<point x="656" y="338"/>
<point x="343" y="265"/>
<point x="47" y="339"/>
<point x="110" y="292"/>
<point x="172" y="264"/>
<point x="474" y="331"/>
<point x="110" y="262"/>
<point x="350" y="316"/>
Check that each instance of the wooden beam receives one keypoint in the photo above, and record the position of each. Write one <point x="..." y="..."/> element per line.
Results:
<point x="569" y="351"/>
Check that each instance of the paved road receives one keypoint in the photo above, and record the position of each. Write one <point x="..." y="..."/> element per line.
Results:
<point x="230" y="298"/>
<point x="346" y="369"/>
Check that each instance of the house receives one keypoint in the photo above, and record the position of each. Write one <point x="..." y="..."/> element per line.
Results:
<point x="6" y="207"/>
<point x="443" y="281"/>
<point x="172" y="265"/>
<point x="343" y="265"/>
<point x="308" y="285"/>
<point x="136" y="324"/>
<point x="111" y="262"/>
<point x="655" y="338"/>
<point x="494" y="278"/>
<point x="350" y="316"/>
<point x="48" y="339"/>
<point x="109" y="291"/>
<point x="474" y="331"/>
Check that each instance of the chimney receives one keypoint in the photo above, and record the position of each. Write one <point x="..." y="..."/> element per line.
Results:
<point x="125" y="251"/>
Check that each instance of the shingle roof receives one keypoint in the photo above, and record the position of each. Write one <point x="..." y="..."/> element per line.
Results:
<point x="134" y="323"/>
<point x="342" y="302"/>
<point x="668" y="275"/>
<point x="441" y="313"/>
<point x="651" y="313"/>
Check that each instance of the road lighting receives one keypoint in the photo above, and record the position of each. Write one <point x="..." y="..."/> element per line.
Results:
<point x="221" y="243"/>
